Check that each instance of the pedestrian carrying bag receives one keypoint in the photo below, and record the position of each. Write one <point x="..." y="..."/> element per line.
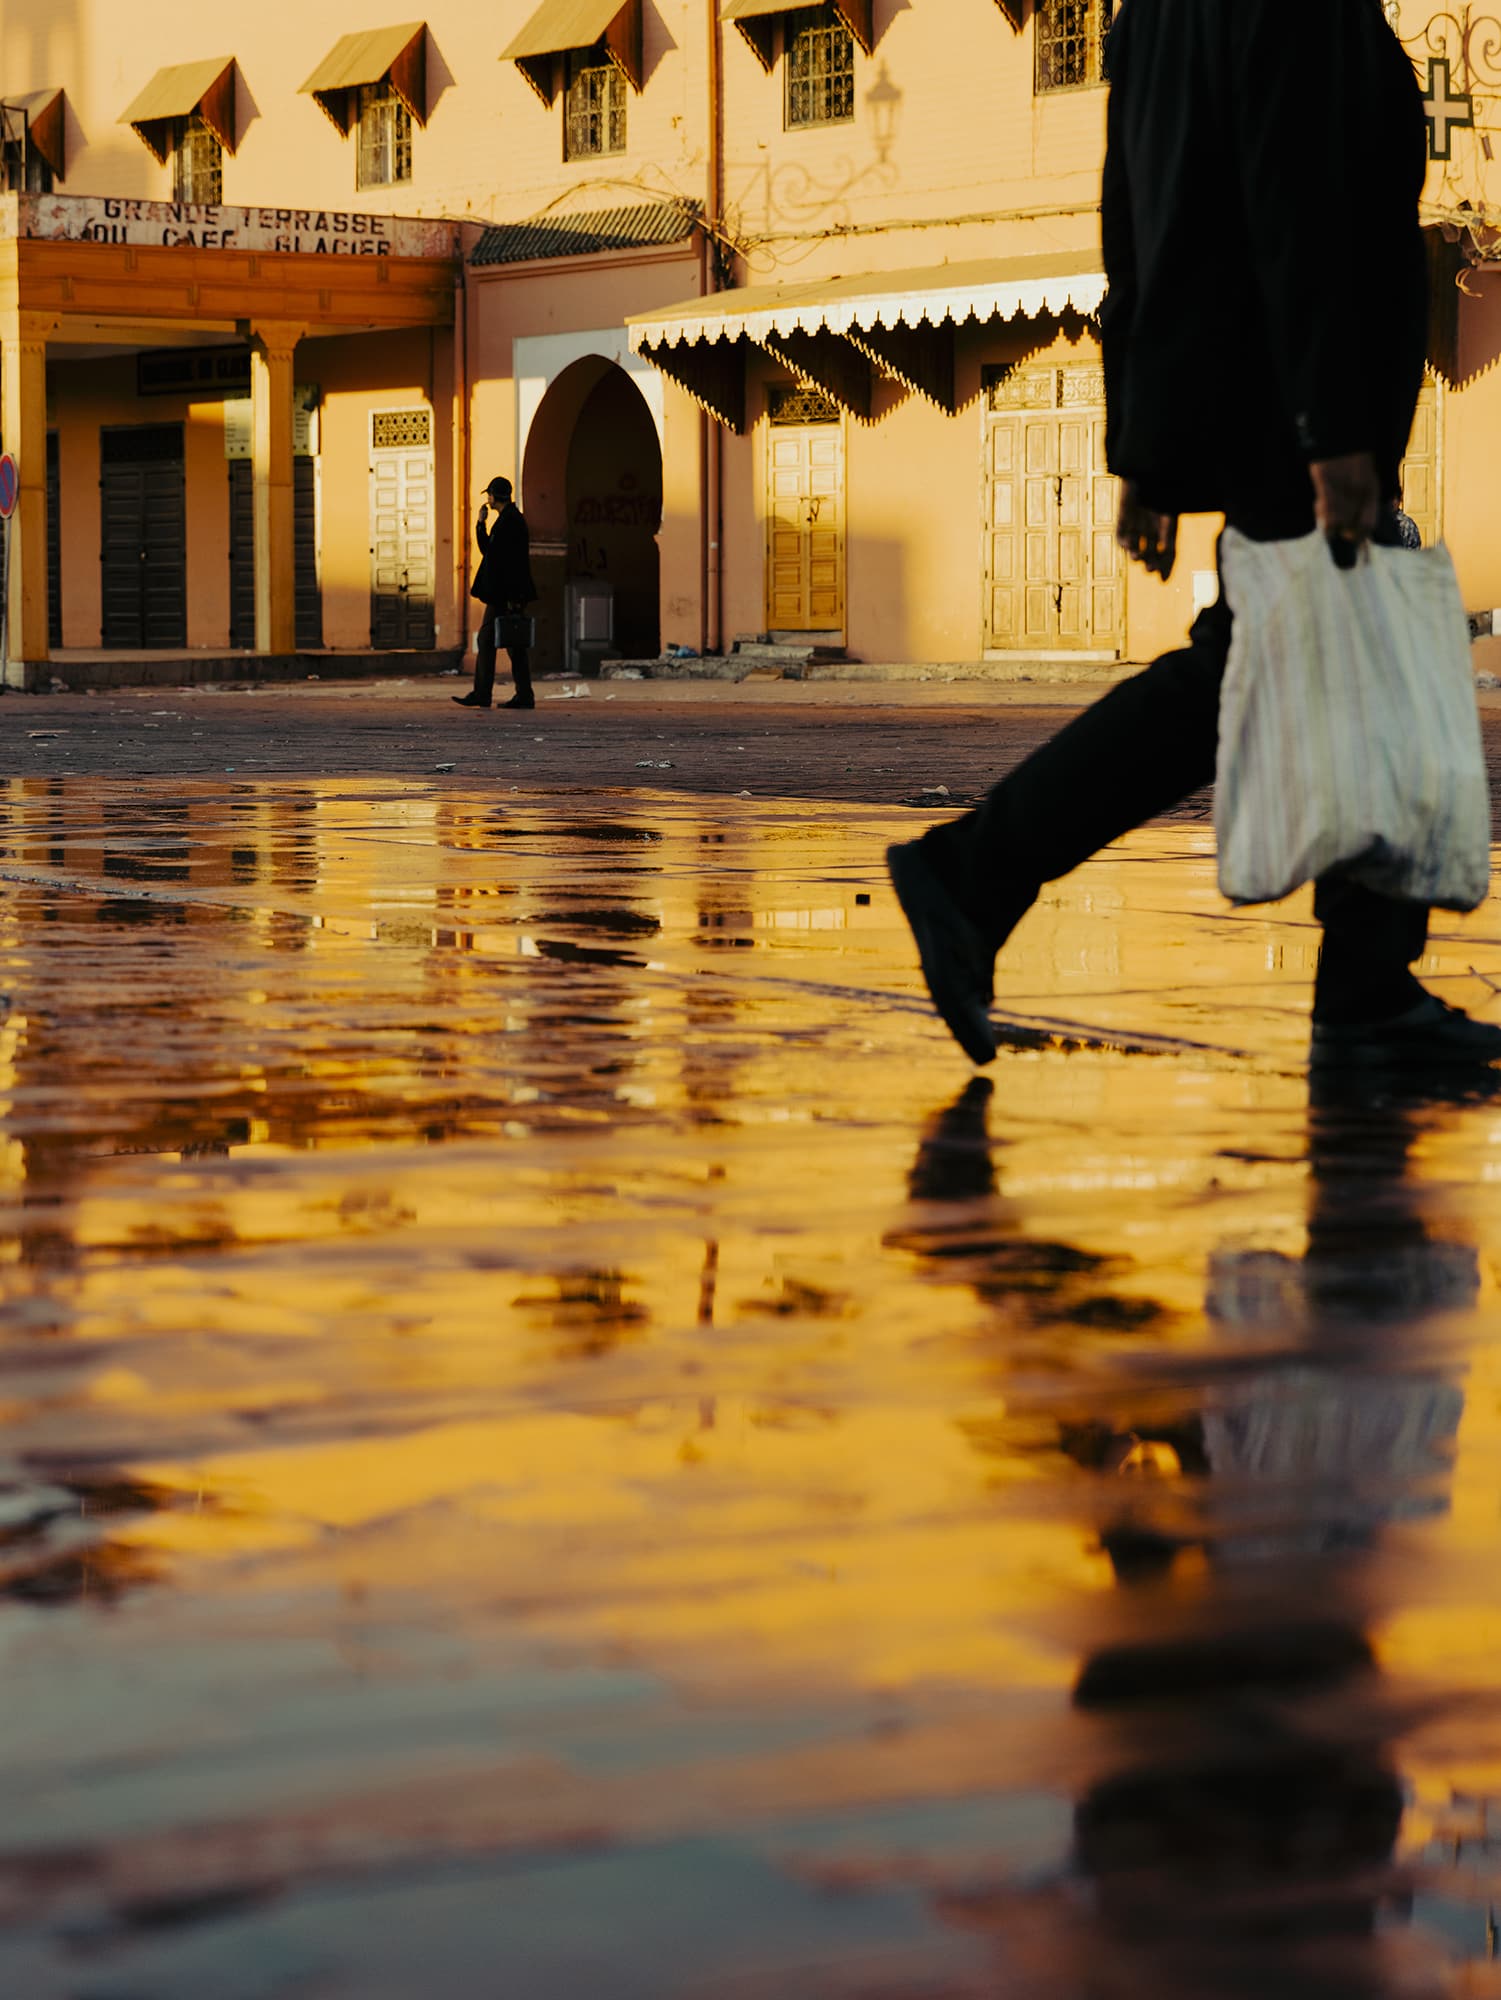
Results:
<point x="1349" y="735"/>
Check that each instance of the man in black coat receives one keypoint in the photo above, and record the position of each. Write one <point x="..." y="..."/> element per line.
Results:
<point x="1264" y="346"/>
<point x="503" y="584"/>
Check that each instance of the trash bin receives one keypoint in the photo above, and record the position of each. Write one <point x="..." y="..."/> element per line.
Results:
<point x="589" y="634"/>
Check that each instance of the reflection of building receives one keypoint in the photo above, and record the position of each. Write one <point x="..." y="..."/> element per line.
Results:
<point x="781" y="316"/>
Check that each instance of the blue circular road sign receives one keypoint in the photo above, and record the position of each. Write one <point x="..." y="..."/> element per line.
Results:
<point x="10" y="485"/>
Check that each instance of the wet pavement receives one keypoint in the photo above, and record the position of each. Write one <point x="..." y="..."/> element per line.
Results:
<point x="895" y="744"/>
<point x="556" y="1443"/>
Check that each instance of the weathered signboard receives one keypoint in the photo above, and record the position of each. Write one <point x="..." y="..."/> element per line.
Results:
<point x="314" y="232"/>
<point x="239" y="433"/>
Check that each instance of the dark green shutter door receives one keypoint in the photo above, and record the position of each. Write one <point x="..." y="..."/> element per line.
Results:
<point x="54" y="547"/>
<point x="242" y="553"/>
<point x="143" y="544"/>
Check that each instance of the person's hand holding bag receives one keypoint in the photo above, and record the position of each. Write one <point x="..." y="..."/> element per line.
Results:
<point x="1346" y="503"/>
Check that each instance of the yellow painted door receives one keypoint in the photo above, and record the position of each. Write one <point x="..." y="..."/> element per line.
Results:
<point x="1053" y="575"/>
<point x="1422" y="469"/>
<point x="805" y="528"/>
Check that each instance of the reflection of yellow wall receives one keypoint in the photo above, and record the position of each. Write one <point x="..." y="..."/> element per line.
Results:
<point x="685" y="1537"/>
<point x="12" y="1153"/>
<point x="651" y="1346"/>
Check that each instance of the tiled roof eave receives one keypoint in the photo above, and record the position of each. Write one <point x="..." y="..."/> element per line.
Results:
<point x="655" y="225"/>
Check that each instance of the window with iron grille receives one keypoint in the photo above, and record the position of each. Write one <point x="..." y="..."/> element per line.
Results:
<point x="22" y="168"/>
<point x="401" y="430"/>
<point x="1071" y="42"/>
<point x="197" y="161"/>
<point x="385" y="137"/>
<point x="593" y="106"/>
<point x="820" y="68"/>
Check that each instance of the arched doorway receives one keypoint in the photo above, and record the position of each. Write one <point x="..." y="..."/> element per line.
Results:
<point x="591" y="490"/>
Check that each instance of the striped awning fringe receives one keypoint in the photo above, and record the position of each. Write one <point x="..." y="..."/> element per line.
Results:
<point x="995" y="289"/>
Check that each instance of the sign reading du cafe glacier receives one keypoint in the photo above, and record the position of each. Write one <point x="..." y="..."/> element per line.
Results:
<point x="318" y="232"/>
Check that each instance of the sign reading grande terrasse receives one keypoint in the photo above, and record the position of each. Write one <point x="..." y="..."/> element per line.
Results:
<point x="314" y="232"/>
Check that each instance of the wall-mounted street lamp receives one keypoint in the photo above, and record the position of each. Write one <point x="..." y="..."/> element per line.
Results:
<point x="884" y="102"/>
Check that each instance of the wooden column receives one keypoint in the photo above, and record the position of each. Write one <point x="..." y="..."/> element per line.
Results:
<point x="23" y="432"/>
<point x="273" y="349"/>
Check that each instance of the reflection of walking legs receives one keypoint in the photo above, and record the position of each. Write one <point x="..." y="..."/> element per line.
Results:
<point x="1237" y="1857"/>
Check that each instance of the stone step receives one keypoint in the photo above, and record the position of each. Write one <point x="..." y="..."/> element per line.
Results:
<point x="784" y="652"/>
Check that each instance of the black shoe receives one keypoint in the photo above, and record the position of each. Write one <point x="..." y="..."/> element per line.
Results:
<point x="1432" y="1034"/>
<point x="518" y="701"/>
<point x="471" y="700"/>
<point x="955" y="962"/>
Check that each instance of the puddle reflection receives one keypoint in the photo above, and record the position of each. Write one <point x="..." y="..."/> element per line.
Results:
<point x="525" y="1413"/>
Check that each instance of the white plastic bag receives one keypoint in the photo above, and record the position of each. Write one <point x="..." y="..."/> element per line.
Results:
<point x="1349" y="734"/>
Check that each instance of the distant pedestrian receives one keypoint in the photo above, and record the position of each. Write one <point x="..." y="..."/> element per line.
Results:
<point x="503" y="584"/>
<point x="1247" y="374"/>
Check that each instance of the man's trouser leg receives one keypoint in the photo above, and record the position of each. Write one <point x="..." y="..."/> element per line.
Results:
<point x="1143" y="748"/>
<point x="1139" y="750"/>
<point x="521" y="662"/>
<point x="521" y="669"/>
<point x="1370" y="942"/>
<point x="484" y="659"/>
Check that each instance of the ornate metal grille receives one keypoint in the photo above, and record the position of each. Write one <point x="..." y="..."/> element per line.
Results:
<point x="800" y="403"/>
<point x="1082" y="387"/>
<point x="385" y="138"/>
<point x="820" y="68"/>
<point x="401" y="430"/>
<point x="1011" y="386"/>
<point x="594" y="107"/>
<point x="197" y="161"/>
<point x="1008" y="387"/>
<point x="1070" y="42"/>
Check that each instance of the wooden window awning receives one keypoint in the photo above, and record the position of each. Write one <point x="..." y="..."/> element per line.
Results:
<point x="397" y="56"/>
<point x="1015" y="12"/>
<point x="757" y="19"/>
<point x="828" y="362"/>
<point x="832" y="331"/>
<point x="561" y="26"/>
<point x="46" y="124"/>
<point x="179" y="91"/>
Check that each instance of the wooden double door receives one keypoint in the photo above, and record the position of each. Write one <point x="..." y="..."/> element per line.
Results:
<point x="403" y="562"/>
<point x="805" y="513"/>
<point x="1423" y="467"/>
<point x="1054" y="577"/>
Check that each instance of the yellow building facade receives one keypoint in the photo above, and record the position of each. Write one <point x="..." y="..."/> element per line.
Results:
<point x="782" y="319"/>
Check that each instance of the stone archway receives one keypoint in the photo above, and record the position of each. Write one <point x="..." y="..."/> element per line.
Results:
<point x="591" y="490"/>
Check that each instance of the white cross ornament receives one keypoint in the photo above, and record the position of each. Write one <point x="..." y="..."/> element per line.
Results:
<point x="1444" y="109"/>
